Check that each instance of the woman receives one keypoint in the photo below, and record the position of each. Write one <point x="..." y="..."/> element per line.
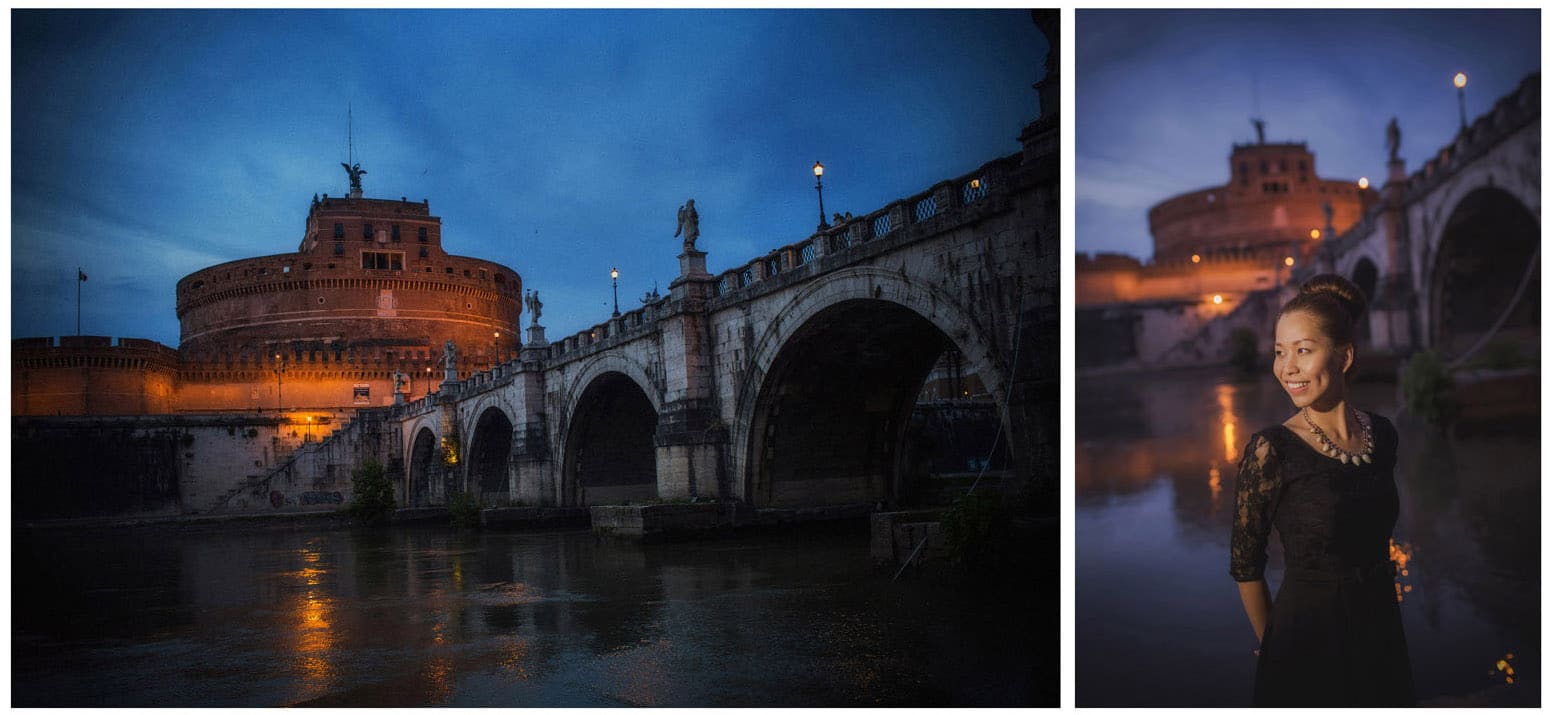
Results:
<point x="1325" y="479"/>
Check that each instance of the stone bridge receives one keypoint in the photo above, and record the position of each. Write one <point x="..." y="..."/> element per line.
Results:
<point x="787" y="381"/>
<point x="1449" y="257"/>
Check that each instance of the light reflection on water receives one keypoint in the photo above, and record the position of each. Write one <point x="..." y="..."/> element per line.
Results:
<point x="435" y="617"/>
<point x="1155" y="467"/>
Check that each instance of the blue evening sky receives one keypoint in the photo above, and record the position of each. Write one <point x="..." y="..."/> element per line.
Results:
<point x="1162" y="95"/>
<point x="149" y="144"/>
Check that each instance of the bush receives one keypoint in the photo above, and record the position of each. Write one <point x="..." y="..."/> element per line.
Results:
<point x="1428" y="387"/>
<point x="465" y="510"/>
<point x="1245" y="350"/>
<point x="372" y="502"/>
<point x="974" y="527"/>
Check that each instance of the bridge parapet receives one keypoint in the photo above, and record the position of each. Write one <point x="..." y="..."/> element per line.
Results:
<point x="1509" y="115"/>
<point x="628" y="326"/>
<point x="945" y="205"/>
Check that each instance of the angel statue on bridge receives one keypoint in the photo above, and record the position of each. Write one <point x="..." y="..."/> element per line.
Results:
<point x="688" y="225"/>
<point x="535" y="307"/>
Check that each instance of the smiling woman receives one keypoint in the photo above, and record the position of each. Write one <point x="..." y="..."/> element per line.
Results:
<point x="1323" y="479"/>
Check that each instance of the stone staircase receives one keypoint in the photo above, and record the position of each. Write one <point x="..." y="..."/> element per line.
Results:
<point x="1212" y="344"/>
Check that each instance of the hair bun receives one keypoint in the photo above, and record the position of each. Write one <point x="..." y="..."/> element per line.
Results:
<point x="1336" y="286"/>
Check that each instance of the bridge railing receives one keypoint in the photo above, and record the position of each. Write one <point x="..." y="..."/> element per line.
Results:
<point x="627" y="325"/>
<point x="943" y="205"/>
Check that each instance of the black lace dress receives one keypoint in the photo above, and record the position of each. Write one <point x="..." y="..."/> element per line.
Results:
<point x="1334" y="636"/>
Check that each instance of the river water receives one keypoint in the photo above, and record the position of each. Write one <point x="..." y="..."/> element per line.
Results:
<point x="1159" y="621"/>
<point x="430" y="616"/>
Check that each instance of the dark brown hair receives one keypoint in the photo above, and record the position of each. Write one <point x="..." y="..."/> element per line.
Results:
<point x="1335" y="303"/>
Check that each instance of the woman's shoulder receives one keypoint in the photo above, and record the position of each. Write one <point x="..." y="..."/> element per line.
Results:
<point x="1379" y="422"/>
<point x="1268" y="440"/>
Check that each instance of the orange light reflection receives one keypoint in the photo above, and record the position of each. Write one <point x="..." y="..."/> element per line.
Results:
<point x="1224" y="395"/>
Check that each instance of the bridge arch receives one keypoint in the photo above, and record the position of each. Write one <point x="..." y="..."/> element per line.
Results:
<point x="608" y="450"/>
<point x="1482" y="256"/>
<point x="422" y="468"/>
<point x="833" y="380"/>
<point x="489" y="455"/>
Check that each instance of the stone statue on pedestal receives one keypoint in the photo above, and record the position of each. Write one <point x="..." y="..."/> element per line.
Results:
<point x="688" y="225"/>
<point x="1392" y="140"/>
<point x="449" y="357"/>
<point x="399" y="379"/>
<point x="535" y="307"/>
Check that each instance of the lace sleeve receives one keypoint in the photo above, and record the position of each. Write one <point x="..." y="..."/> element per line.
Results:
<point x="1253" y="508"/>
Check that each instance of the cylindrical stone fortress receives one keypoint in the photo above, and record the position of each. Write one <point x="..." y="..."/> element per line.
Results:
<point x="369" y="292"/>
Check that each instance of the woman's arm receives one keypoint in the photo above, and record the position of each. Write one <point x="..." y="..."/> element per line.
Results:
<point x="1256" y="603"/>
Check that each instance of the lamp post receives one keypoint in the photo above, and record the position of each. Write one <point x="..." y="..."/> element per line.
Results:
<point x="614" y="273"/>
<point x="823" y="223"/>
<point x="279" y="396"/>
<point x="1459" y="80"/>
<point x="309" y="428"/>
<point x="497" y="347"/>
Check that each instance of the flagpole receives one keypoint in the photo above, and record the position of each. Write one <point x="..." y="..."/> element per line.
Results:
<point x="78" y="282"/>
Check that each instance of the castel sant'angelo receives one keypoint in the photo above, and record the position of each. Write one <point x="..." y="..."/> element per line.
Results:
<point x="1212" y="245"/>
<point x="368" y="300"/>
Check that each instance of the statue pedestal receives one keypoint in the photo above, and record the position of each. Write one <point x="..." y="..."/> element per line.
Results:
<point x="691" y="264"/>
<point x="1397" y="171"/>
<point x="535" y="336"/>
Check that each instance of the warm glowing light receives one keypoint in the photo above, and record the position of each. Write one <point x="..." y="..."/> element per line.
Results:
<point x="1362" y="182"/>
<point x="1290" y="261"/>
<point x="1194" y="258"/>
<point x="975" y="184"/>
<point x="1216" y="482"/>
<point x="614" y="273"/>
<point x="818" y="169"/>
<point x="1315" y="234"/>
<point x="1229" y="419"/>
<point x="1459" y="80"/>
<point x="1217" y="299"/>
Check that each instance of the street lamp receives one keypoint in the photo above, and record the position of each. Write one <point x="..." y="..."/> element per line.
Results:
<point x="818" y="172"/>
<point x="309" y="428"/>
<point x="1315" y="234"/>
<point x="279" y="396"/>
<point x="1362" y="183"/>
<point x="1459" y="80"/>
<point x="497" y="346"/>
<point x="614" y="273"/>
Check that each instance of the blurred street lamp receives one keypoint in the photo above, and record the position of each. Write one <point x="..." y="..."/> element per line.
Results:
<point x="1290" y="262"/>
<point x="615" y="274"/>
<point x="1217" y="299"/>
<point x="1459" y="80"/>
<point x="1315" y="234"/>
<point x="1362" y="183"/>
<point x="818" y="172"/>
<point x="1194" y="258"/>
<point x="279" y="369"/>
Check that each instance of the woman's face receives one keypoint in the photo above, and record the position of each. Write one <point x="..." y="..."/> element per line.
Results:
<point x="1309" y="366"/>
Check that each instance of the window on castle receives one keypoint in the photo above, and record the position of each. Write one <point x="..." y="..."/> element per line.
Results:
<point x="338" y="250"/>
<point x="395" y="233"/>
<point x="338" y="230"/>
<point x="366" y="234"/>
<point x="423" y="237"/>
<point x="425" y="253"/>
<point x="382" y="261"/>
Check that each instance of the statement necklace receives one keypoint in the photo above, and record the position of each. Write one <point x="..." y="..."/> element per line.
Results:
<point x="1330" y="448"/>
